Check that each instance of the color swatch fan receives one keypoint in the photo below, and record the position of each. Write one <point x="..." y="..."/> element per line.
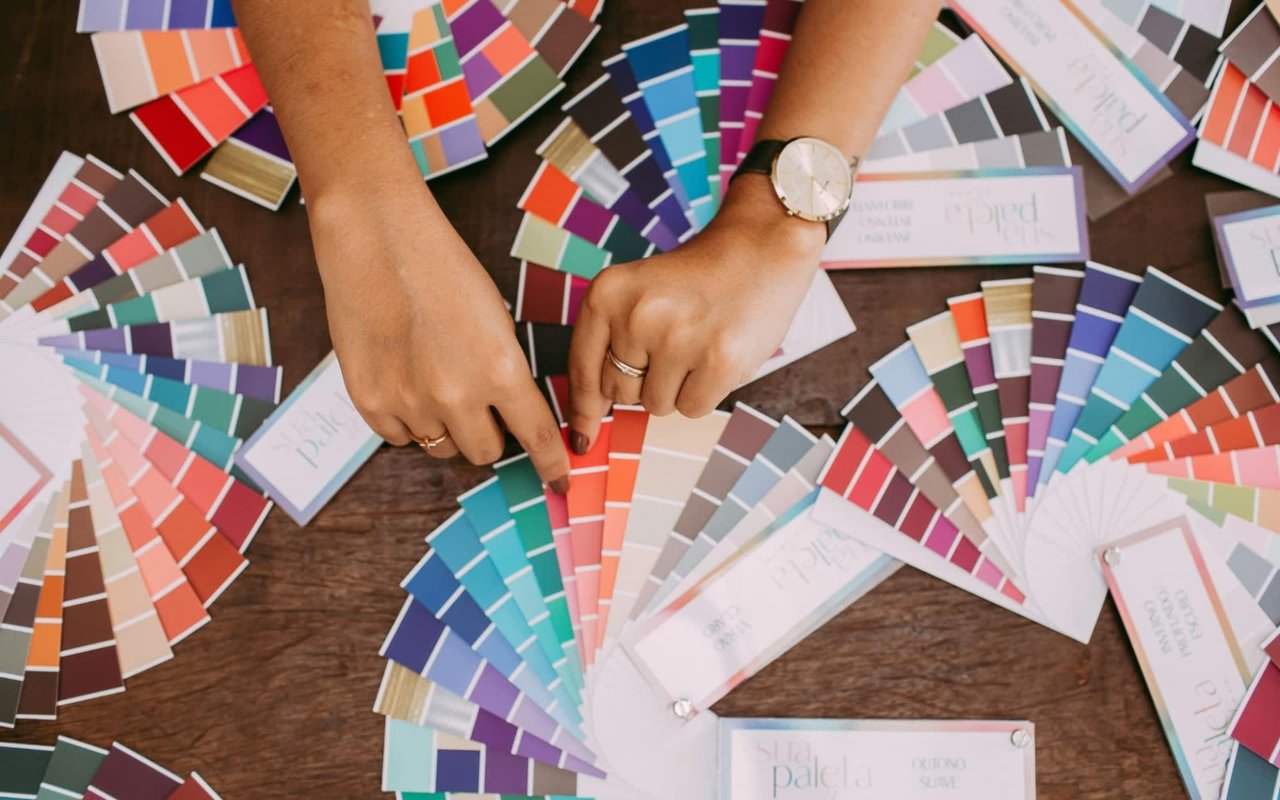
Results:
<point x="1056" y="428"/>
<point x="461" y="74"/>
<point x="72" y="768"/>
<point x="556" y="645"/>
<point x="140" y="361"/>
<point x="645" y="152"/>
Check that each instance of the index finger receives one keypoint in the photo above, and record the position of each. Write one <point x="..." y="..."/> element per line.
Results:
<point x="587" y="403"/>
<point x="530" y="420"/>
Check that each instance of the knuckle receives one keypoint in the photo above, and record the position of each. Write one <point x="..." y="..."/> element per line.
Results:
<point x="603" y="288"/>
<point x="694" y="408"/>
<point x="659" y="408"/>
<point x="370" y="403"/>
<point x="726" y="354"/>
<point x="509" y="369"/>
<point x="653" y="311"/>
<point x="447" y="395"/>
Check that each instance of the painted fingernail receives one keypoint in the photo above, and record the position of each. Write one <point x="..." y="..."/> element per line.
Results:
<point x="580" y="443"/>
<point x="560" y="485"/>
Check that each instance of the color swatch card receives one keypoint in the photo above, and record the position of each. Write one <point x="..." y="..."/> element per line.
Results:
<point x="254" y="162"/>
<point x="1250" y="48"/>
<point x="122" y="519"/>
<point x="1249" y="775"/>
<point x="1195" y="669"/>
<point x="1255" y="726"/>
<point x="311" y="445"/>
<point x="1238" y="134"/>
<point x="988" y="217"/>
<point x="763" y="759"/>
<point x="1246" y="247"/>
<point x="1104" y="99"/>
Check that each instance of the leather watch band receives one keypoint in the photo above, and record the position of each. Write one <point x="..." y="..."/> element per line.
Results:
<point x="760" y="158"/>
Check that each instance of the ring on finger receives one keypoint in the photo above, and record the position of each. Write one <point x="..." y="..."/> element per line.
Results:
<point x="624" y="367"/>
<point x="431" y="443"/>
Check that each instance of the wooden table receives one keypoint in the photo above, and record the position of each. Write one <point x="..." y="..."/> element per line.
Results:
<point x="273" y="698"/>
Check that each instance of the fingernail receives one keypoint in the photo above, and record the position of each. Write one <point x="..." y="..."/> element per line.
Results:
<point x="580" y="443"/>
<point x="560" y="485"/>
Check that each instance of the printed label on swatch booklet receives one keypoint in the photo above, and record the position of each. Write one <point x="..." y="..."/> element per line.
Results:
<point x="1251" y="248"/>
<point x="1125" y="122"/>
<point x="793" y="759"/>
<point x="995" y="216"/>
<point x="311" y="445"/>
<point x="1192" y="664"/>
<point x="721" y="631"/>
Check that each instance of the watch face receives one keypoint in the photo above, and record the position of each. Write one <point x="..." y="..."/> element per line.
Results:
<point x="813" y="179"/>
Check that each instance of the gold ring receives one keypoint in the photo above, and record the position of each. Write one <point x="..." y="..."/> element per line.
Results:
<point x="430" y="443"/>
<point x="624" y="367"/>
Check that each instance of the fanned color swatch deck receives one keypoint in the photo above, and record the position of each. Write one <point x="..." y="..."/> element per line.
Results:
<point x="145" y="362"/>
<point x="545" y="640"/>
<point x="462" y="75"/>
<point x="1047" y="440"/>
<point x="72" y="768"/>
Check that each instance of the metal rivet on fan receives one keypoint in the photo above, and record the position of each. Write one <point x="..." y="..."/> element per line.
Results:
<point x="683" y="709"/>
<point x="1021" y="737"/>
<point x="1112" y="556"/>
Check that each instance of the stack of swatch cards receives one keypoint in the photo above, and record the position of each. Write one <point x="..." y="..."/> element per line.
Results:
<point x="72" y="768"/>
<point x="143" y="363"/>
<point x="1128" y="79"/>
<point x="461" y="74"/>
<point x="1240" y="133"/>
<point x="1046" y="439"/>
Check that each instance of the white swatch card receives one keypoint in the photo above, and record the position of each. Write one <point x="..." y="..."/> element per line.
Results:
<point x="819" y="759"/>
<point x="1176" y="619"/>
<point x="310" y="446"/>
<point x="1249" y="245"/>
<point x="1104" y="99"/>
<point x="991" y="216"/>
<point x="786" y="582"/>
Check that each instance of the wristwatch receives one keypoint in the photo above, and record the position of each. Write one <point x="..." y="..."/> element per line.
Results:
<point x="810" y="176"/>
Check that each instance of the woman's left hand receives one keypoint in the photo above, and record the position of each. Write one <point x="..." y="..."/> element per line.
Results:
<point x="699" y="320"/>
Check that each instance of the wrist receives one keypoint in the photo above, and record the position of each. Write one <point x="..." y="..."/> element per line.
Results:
<point x="752" y="213"/>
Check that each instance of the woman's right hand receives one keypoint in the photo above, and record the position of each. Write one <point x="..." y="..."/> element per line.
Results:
<point x="426" y="344"/>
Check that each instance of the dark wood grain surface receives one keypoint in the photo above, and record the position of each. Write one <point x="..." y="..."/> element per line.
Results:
<point x="273" y="698"/>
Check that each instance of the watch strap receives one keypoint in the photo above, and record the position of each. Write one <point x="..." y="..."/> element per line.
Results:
<point x="759" y="159"/>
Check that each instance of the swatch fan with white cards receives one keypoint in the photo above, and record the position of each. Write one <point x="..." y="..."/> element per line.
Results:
<point x="138" y="361"/>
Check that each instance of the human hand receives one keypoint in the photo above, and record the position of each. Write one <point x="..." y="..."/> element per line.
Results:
<point x="700" y="319"/>
<point x="426" y="345"/>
